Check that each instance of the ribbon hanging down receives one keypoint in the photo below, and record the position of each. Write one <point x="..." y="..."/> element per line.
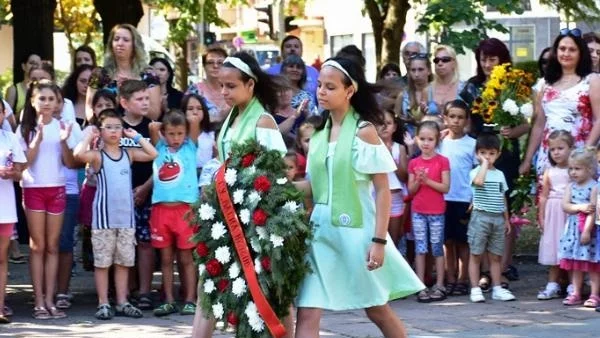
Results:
<point x="241" y="247"/>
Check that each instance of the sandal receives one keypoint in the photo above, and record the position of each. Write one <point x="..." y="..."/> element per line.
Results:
<point x="56" y="313"/>
<point x="165" y="309"/>
<point x="18" y="259"/>
<point x="144" y="302"/>
<point x="4" y="319"/>
<point x="485" y="281"/>
<point x="437" y="294"/>
<point x="461" y="289"/>
<point x="423" y="296"/>
<point x="188" y="309"/>
<point x="62" y="301"/>
<point x="41" y="313"/>
<point x="593" y="301"/>
<point x="572" y="300"/>
<point x="105" y="312"/>
<point x="128" y="310"/>
<point x="450" y="287"/>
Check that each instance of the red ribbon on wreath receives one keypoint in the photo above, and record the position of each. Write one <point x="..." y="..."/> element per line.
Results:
<point x="241" y="247"/>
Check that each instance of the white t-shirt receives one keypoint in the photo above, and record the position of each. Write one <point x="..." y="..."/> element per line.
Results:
<point x="68" y="111"/>
<point x="9" y="144"/>
<point x="206" y="143"/>
<point x="461" y="153"/>
<point x="7" y="112"/>
<point x="72" y="175"/>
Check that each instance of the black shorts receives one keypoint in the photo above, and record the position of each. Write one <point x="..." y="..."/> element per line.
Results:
<point x="457" y="221"/>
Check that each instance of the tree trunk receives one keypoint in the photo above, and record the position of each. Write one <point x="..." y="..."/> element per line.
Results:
<point x="377" y="17"/>
<point x="182" y="67"/>
<point x="393" y="31"/>
<point x="114" y="12"/>
<point x="33" y="26"/>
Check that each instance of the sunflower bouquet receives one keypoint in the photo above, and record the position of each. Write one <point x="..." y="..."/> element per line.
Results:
<point x="506" y="98"/>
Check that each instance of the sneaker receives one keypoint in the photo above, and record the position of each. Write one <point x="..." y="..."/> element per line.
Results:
<point x="548" y="294"/>
<point x="500" y="293"/>
<point x="477" y="295"/>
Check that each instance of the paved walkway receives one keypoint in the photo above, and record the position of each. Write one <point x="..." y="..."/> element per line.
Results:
<point x="455" y="317"/>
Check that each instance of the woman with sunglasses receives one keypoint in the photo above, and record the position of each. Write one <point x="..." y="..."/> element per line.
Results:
<point x="446" y="85"/>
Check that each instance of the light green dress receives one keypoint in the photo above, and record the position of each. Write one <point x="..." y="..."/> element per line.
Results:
<point x="269" y="138"/>
<point x="338" y="255"/>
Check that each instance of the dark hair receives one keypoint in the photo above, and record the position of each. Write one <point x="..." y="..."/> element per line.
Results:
<point x="205" y="123"/>
<point x="69" y="89"/>
<point x="85" y="49"/>
<point x="292" y="153"/>
<point x="169" y="69"/>
<point x="29" y="115"/>
<point x="458" y="104"/>
<point x="26" y="57"/>
<point x="363" y="100"/>
<point x="389" y="67"/>
<point x="106" y="94"/>
<point x="584" y="67"/>
<point x="129" y="87"/>
<point x="398" y="135"/>
<point x="562" y="135"/>
<point x="353" y="53"/>
<point x="214" y="50"/>
<point x="105" y="114"/>
<point x="265" y="85"/>
<point x="590" y="37"/>
<point x="288" y="38"/>
<point x="295" y="60"/>
<point x="541" y="60"/>
<point x="430" y="125"/>
<point x="489" y="47"/>
<point x="175" y="118"/>
<point x="487" y="140"/>
<point x="45" y="66"/>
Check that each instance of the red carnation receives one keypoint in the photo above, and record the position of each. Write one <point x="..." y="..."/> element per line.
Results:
<point x="259" y="217"/>
<point x="248" y="159"/>
<point x="202" y="249"/>
<point x="266" y="263"/>
<point x="232" y="318"/>
<point x="222" y="285"/>
<point x="262" y="184"/>
<point x="213" y="267"/>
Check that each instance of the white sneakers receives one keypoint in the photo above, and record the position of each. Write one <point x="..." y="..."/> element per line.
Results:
<point x="498" y="293"/>
<point x="551" y="291"/>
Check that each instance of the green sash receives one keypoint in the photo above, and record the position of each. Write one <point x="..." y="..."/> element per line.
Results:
<point x="345" y="204"/>
<point x="246" y="127"/>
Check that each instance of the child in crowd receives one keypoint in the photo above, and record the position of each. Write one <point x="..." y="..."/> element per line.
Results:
<point x="552" y="217"/>
<point x="489" y="219"/>
<point x="459" y="148"/>
<point x="44" y="140"/>
<point x="577" y="251"/>
<point x="428" y="181"/>
<point x="135" y="100"/>
<point x="305" y="131"/>
<point x="195" y="104"/>
<point x="12" y="163"/>
<point x="113" y="231"/>
<point x="291" y="164"/>
<point x="175" y="189"/>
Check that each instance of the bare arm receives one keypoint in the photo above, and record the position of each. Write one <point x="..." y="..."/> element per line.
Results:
<point x="83" y="153"/>
<point x="402" y="171"/>
<point x="595" y="103"/>
<point x="154" y="129"/>
<point x="155" y="103"/>
<point x="569" y="207"/>
<point x="479" y="179"/>
<point x="413" y="184"/>
<point x="11" y="97"/>
<point x="442" y="186"/>
<point x="535" y="138"/>
<point x="146" y="154"/>
<point x="543" y="200"/>
<point x="287" y="124"/>
<point x="194" y="127"/>
<point x="89" y="109"/>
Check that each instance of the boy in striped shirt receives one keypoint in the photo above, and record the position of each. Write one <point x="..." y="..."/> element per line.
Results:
<point x="489" y="219"/>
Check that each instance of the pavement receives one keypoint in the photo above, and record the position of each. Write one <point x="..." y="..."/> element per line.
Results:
<point x="454" y="317"/>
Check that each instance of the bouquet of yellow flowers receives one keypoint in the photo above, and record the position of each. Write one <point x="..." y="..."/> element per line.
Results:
<point x="506" y="98"/>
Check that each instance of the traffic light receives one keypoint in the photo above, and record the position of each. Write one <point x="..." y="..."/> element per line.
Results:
<point x="209" y="38"/>
<point x="268" y="20"/>
<point x="288" y="25"/>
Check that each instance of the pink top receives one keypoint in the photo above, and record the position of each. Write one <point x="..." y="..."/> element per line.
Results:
<point x="427" y="200"/>
<point x="214" y="96"/>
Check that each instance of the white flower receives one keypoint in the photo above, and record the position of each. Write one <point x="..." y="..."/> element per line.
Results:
<point x="217" y="230"/>
<point x="222" y="254"/>
<point x="206" y="212"/>
<point x="251" y="170"/>
<point x="291" y="206"/>
<point x="262" y="232"/>
<point x="254" y="196"/>
<point x="201" y="269"/>
<point x="511" y="107"/>
<point x="245" y="216"/>
<point x="209" y="286"/>
<point x="282" y="181"/>
<point x="257" y="266"/>
<point x="234" y="270"/>
<point x="218" y="310"/>
<point x="527" y="110"/>
<point x="276" y="240"/>
<point x="230" y="176"/>
<point x="254" y="319"/>
<point x="238" y="196"/>
<point x="255" y="245"/>
<point x="239" y="287"/>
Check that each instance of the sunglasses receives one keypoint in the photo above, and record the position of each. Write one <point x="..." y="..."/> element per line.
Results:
<point x="418" y="56"/>
<point x="444" y="59"/>
<point x="575" y="32"/>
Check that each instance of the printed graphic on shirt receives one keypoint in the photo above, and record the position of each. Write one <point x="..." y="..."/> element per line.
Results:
<point x="171" y="169"/>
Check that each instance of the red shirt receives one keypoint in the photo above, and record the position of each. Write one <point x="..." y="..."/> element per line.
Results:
<point x="427" y="200"/>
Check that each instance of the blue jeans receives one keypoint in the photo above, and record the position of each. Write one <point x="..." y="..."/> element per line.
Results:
<point x="67" y="233"/>
<point x="428" y="229"/>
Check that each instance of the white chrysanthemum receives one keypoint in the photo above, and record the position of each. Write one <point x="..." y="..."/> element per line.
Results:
<point x="291" y="206"/>
<point x="251" y="170"/>
<point x="257" y="324"/>
<point x="254" y="319"/>
<point x="234" y="270"/>
<point x="223" y="255"/>
<point x="201" y="269"/>
<point x="262" y="232"/>
<point x="251" y="311"/>
<point x="206" y="212"/>
<point x="217" y="230"/>
<point x="239" y="287"/>
<point x="511" y="107"/>
<point x="230" y="176"/>
<point x="282" y="181"/>
<point x="253" y="197"/>
<point x="238" y="196"/>
<point x="257" y="266"/>
<point x="276" y="240"/>
<point x="255" y="245"/>
<point x="527" y="110"/>
<point x="245" y="216"/>
<point x="218" y="310"/>
<point x="209" y="286"/>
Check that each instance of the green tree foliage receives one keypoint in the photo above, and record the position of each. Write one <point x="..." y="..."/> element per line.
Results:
<point x="78" y="20"/>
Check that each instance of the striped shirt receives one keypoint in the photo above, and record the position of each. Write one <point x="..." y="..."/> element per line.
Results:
<point x="490" y="196"/>
<point x="113" y="202"/>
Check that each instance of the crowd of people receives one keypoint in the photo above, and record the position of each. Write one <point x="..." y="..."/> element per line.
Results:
<point x="400" y="172"/>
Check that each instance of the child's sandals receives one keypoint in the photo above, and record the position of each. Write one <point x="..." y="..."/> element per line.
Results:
<point x="423" y="296"/>
<point x="572" y="300"/>
<point x="437" y="293"/>
<point x="63" y="301"/>
<point x="56" y="313"/>
<point x="593" y="301"/>
<point x="144" y="302"/>
<point x="40" y="312"/>
<point x="105" y="312"/>
<point x="128" y="310"/>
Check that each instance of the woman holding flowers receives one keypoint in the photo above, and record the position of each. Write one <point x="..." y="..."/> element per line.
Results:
<point x="351" y="249"/>
<point x="569" y="99"/>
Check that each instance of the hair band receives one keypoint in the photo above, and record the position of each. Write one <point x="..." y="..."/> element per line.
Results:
<point x="241" y="65"/>
<point x="336" y="65"/>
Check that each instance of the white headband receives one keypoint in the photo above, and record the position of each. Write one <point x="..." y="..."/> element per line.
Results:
<point x="336" y="65"/>
<point x="241" y="65"/>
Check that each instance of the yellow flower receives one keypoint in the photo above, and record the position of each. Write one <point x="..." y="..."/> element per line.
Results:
<point x="488" y="93"/>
